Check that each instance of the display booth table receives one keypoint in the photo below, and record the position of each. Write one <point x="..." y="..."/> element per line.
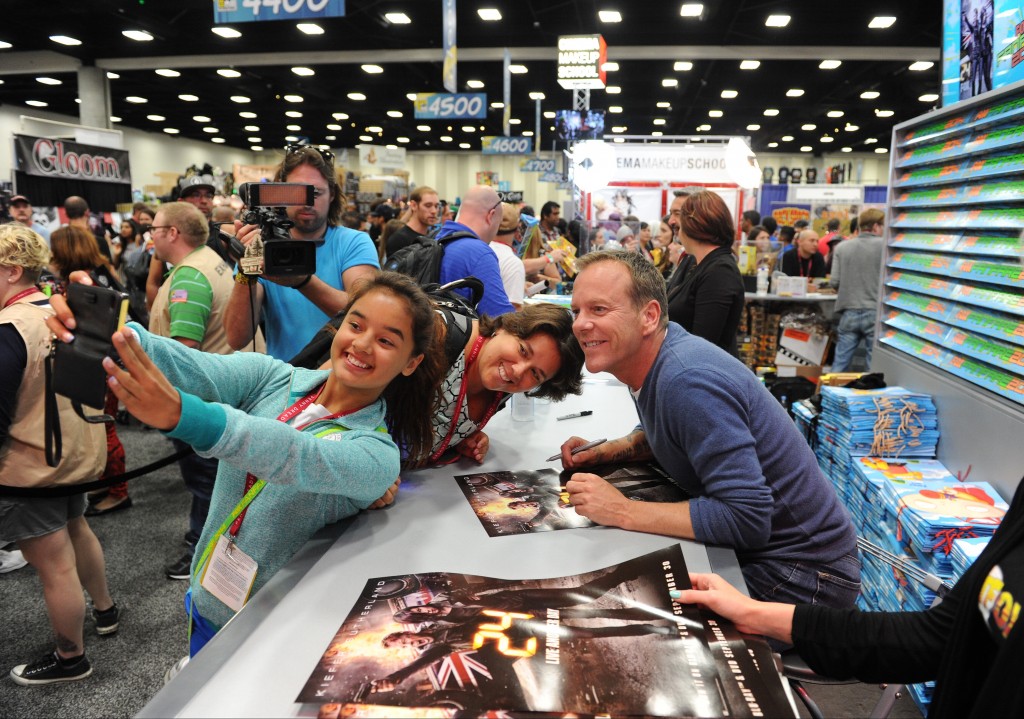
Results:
<point x="258" y="663"/>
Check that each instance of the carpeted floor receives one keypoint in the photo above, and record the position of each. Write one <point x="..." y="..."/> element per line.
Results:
<point x="128" y="667"/>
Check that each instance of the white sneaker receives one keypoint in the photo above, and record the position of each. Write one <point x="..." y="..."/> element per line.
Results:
<point x="175" y="670"/>
<point x="9" y="561"/>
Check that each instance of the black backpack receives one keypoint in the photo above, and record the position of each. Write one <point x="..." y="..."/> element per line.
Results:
<point x="458" y="314"/>
<point x="421" y="260"/>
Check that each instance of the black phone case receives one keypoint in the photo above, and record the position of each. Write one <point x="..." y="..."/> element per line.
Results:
<point x="78" y="372"/>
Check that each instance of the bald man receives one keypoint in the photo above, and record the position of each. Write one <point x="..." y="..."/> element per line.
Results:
<point x="468" y="252"/>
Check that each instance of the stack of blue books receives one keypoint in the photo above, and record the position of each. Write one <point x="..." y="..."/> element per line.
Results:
<point x="965" y="551"/>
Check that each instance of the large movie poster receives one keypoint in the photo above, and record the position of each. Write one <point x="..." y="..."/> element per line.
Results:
<point x="603" y="642"/>
<point x="976" y="41"/>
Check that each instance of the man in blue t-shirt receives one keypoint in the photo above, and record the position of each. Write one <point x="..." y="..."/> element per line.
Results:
<point x="296" y="307"/>
<point x="480" y="215"/>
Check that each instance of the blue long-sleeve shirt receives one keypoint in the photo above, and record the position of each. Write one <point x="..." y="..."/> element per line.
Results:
<point x="724" y="439"/>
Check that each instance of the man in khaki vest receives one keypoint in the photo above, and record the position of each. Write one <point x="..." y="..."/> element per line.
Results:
<point x="190" y="308"/>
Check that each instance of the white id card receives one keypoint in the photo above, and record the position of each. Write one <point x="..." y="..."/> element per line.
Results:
<point x="229" y="574"/>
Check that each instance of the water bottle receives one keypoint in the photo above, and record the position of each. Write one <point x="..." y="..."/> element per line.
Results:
<point x="762" y="280"/>
<point x="522" y="407"/>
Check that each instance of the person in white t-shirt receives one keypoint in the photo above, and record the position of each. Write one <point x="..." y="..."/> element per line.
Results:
<point x="513" y="273"/>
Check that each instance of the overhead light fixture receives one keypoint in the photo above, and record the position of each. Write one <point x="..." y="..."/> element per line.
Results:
<point x="228" y="72"/>
<point x="846" y="149"/>
<point x="489" y="14"/>
<point x="773" y="144"/>
<point x="517" y="69"/>
<point x="806" y="148"/>
<point x="291" y="138"/>
<point x="670" y="82"/>
<point x="137" y="35"/>
<point x="881" y="150"/>
<point x="527" y="133"/>
<point x="247" y="114"/>
<point x="928" y="97"/>
<point x="293" y="128"/>
<point x="515" y="121"/>
<point x="610" y="67"/>
<point x="777" y="21"/>
<point x="659" y="133"/>
<point x="156" y="118"/>
<point x="136" y="100"/>
<point x="682" y="66"/>
<point x="750" y="64"/>
<point x="809" y="126"/>
<point x="358" y="96"/>
<point x="218" y="140"/>
<point x="829" y="64"/>
<point x="397" y="18"/>
<point x="211" y="130"/>
<point x="372" y="69"/>
<point x="613" y="90"/>
<point x="446" y="138"/>
<point x="614" y="139"/>
<point x="753" y="128"/>
<point x="330" y="137"/>
<point x="851" y="128"/>
<point x="292" y="113"/>
<point x="771" y="112"/>
<point x="65" y="40"/>
<point x="402" y="139"/>
<point x="549" y="115"/>
<point x="334" y="127"/>
<point x="113" y="76"/>
<point x="794" y="92"/>
<point x="613" y="109"/>
<point x="609" y="16"/>
<point x="787" y="138"/>
<point x="374" y="128"/>
<point x="468" y="128"/>
<point x="619" y="128"/>
<point x="835" y="113"/>
<point x="465" y="145"/>
<point x="339" y="115"/>
<point x="869" y="95"/>
<point x="826" y="138"/>
<point x="228" y="33"/>
<point x="704" y="128"/>
<point x="37" y="103"/>
<point x="691" y="9"/>
<point x="303" y="71"/>
<point x="871" y="141"/>
<point x="537" y="96"/>
<point x="49" y="81"/>
<point x="661" y="120"/>
<point x="366" y="138"/>
<point x="188" y="98"/>
<point x="240" y="99"/>
<point x="201" y="118"/>
<point x="423" y="128"/>
<point x="921" y="66"/>
<point x="251" y="128"/>
<point x="410" y="96"/>
<point x="293" y="98"/>
<point x="884" y="113"/>
<point x="497" y="105"/>
<point x="394" y="113"/>
<point x="5" y="45"/>
<point x="310" y="28"/>
<point x="729" y="94"/>
<point x="715" y="113"/>
<point x="172" y="130"/>
<point x="472" y="84"/>
<point x="881" y="22"/>
<point x="665" y="105"/>
<point x="167" y="72"/>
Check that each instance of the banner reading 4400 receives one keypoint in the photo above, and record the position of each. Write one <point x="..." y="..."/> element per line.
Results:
<point x="451" y="106"/>
<point x="501" y="145"/>
<point x="225" y="11"/>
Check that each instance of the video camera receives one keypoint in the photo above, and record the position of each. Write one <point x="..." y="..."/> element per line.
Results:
<point x="280" y="255"/>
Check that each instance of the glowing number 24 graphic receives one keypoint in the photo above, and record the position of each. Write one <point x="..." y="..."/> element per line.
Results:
<point x="496" y="633"/>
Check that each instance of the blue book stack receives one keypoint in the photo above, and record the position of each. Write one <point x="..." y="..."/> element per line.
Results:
<point x="965" y="551"/>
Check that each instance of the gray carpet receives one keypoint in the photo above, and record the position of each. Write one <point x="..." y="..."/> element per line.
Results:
<point x="128" y="667"/>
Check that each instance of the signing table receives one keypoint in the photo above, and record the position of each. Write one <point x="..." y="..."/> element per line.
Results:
<point x="258" y="663"/>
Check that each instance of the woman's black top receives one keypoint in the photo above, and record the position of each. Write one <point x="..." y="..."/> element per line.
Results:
<point x="707" y="298"/>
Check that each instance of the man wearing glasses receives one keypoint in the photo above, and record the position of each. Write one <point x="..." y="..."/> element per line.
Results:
<point x="856" y="266"/>
<point x="478" y="219"/>
<point x="295" y="308"/>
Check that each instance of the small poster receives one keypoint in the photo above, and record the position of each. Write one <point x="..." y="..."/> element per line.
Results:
<point x="607" y="642"/>
<point x="527" y="501"/>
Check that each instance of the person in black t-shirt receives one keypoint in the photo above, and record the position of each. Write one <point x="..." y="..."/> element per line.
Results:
<point x="805" y="261"/>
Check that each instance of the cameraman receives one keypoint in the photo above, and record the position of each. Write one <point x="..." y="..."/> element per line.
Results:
<point x="294" y="309"/>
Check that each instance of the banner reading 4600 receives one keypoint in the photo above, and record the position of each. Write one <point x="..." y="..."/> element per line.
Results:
<point x="501" y="145"/>
<point x="451" y="106"/>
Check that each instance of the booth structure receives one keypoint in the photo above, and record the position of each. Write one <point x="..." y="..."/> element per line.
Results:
<point x="819" y="203"/>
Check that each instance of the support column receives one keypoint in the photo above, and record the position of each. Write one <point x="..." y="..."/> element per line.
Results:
<point x="94" y="93"/>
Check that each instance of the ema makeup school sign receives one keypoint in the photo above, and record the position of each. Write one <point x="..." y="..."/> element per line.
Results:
<point x="67" y="160"/>
<point x="671" y="163"/>
<point x="581" y="61"/>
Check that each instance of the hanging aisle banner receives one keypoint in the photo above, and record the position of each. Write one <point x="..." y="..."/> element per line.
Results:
<point x="67" y="160"/>
<point x="228" y="11"/>
<point x="448" y="71"/>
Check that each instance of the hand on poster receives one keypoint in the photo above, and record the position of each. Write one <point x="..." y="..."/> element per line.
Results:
<point x="597" y="500"/>
<point x="474" y="446"/>
<point x="389" y="496"/>
<point x="749" y="615"/>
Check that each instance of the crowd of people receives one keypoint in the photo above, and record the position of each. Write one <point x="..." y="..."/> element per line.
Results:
<point x="206" y="361"/>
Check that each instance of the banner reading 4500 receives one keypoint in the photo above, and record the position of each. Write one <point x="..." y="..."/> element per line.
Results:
<point x="451" y="106"/>
<point x="225" y="11"/>
<point x="501" y="145"/>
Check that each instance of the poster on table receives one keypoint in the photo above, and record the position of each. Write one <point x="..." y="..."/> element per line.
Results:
<point x="603" y="642"/>
<point x="528" y="501"/>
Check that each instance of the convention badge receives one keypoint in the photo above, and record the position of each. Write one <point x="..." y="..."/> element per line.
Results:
<point x="252" y="261"/>
<point x="229" y="574"/>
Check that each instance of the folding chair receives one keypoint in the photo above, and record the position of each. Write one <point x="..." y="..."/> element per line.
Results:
<point x="798" y="673"/>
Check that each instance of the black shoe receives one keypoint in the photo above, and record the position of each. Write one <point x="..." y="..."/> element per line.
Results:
<point x="94" y="511"/>
<point x="106" y="621"/>
<point x="50" y="669"/>
<point x="182" y="569"/>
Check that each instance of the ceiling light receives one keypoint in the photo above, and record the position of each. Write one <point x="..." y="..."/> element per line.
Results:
<point x="809" y="126"/>
<point x="251" y="128"/>
<point x="135" y="99"/>
<point x="497" y="105"/>
<point x="703" y="128"/>
<point x="366" y="138"/>
<point x="36" y="103"/>
<point x="614" y="139"/>
<point x="489" y="14"/>
<point x="851" y="128"/>
<point x="49" y="81"/>
<point x="750" y="64"/>
<point x="549" y="115"/>
<point x="188" y="98"/>
<point x="773" y="144"/>
<point x="665" y="105"/>
<point x="402" y="139"/>
<point x="228" y="72"/>
<point x="394" y="113"/>
<point x="211" y="130"/>
<point x="240" y="99"/>
<point x="468" y="128"/>
<point x="777" y="21"/>
<point x="397" y="18"/>
<point x="670" y="82"/>
<point x="137" y="35"/>
<point x="881" y="150"/>
<point x="787" y="138"/>
<point x="423" y="128"/>
<point x="921" y="66"/>
<point x="330" y="137"/>
<point x="517" y="69"/>
<point x="881" y="22"/>
<point x="446" y="138"/>
<point x="465" y="145"/>
<point x="928" y="97"/>
<point x="310" y="28"/>
<point x="619" y="128"/>
<point x="156" y="118"/>
<point x="794" y="92"/>
<point x="871" y="141"/>
<point x="691" y="9"/>
<point x="715" y="113"/>
<point x="614" y="89"/>
<point x="291" y="138"/>
<point x="661" y="120"/>
<point x="293" y="98"/>
<point x="218" y="140"/>
<point x="303" y="71"/>
<point x="884" y="113"/>
<point x="683" y="66"/>
<point x="165" y="72"/>
<point x="374" y="128"/>
<point x="610" y="67"/>
<point x="869" y="95"/>
<point x="293" y="128"/>
<point x="515" y="121"/>
<point x="835" y="113"/>
<point x="254" y="139"/>
<point x="228" y="33"/>
<point x="826" y="138"/>
<point x="356" y="96"/>
<point x="472" y="84"/>
<point x="659" y="133"/>
<point x="256" y="148"/>
<point x="201" y="118"/>
<point x="247" y="115"/>
<point x="65" y="40"/>
<point x="753" y="128"/>
<point x="829" y="64"/>
<point x="372" y="69"/>
<point x="609" y="15"/>
<point x="113" y="76"/>
<point x="537" y="95"/>
<point x="527" y="133"/>
<point x="5" y="45"/>
<point x="729" y="94"/>
<point x="771" y="112"/>
<point x="292" y="113"/>
<point x="411" y="96"/>
<point x="334" y="127"/>
<point x="846" y="149"/>
<point x="171" y="130"/>
<point x="806" y="148"/>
